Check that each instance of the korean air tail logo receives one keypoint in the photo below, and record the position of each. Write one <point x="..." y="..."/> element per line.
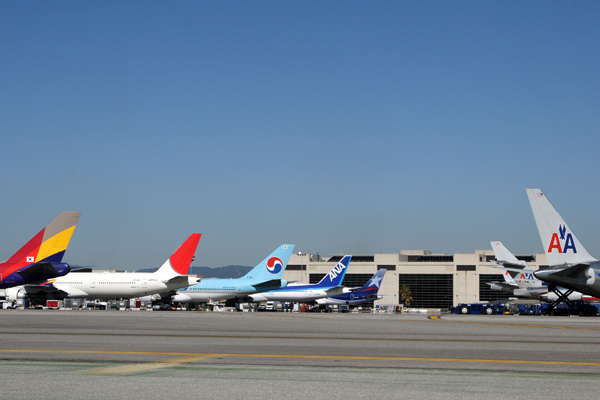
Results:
<point x="335" y="271"/>
<point x="563" y="243"/>
<point x="274" y="265"/>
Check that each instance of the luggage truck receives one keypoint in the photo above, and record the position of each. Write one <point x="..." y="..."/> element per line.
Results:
<point x="481" y="308"/>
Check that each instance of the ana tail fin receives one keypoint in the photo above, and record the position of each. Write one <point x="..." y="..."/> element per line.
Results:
<point x="50" y="244"/>
<point x="179" y="263"/>
<point x="560" y="243"/>
<point x="335" y="277"/>
<point x="273" y="266"/>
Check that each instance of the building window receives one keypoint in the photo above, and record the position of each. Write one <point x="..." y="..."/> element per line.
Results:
<point x="466" y="268"/>
<point x="354" y="259"/>
<point x="294" y="267"/>
<point x="429" y="290"/>
<point x="487" y="294"/>
<point x="388" y="267"/>
<point x="430" y="258"/>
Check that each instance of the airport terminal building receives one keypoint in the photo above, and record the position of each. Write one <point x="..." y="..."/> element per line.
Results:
<point x="435" y="280"/>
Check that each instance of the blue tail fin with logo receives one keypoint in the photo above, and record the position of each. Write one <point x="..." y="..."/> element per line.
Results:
<point x="375" y="282"/>
<point x="335" y="277"/>
<point x="273" y="266"/>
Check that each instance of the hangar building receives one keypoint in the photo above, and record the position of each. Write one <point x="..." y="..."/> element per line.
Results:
<point x="435" y="280"/>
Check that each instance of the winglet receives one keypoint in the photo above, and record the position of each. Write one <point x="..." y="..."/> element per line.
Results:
<point x="181" y="260"/>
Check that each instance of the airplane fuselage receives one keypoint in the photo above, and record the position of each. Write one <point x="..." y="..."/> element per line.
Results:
<point x="113" y="285"/>
<point x="297" y="294"/>
<point x="220" y="289"/>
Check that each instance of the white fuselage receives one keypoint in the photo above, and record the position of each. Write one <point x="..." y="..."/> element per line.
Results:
<point x="204" y="295"/>
<point x="301" y="294"/>
<point x="114" y="285"/>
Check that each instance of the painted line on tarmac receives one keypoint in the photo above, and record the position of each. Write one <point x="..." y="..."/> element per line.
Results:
<point x="439" y="318"/>
<point x="299" y="356"/>
<point x="310" y="338"/>
<point x="143" y="367"/>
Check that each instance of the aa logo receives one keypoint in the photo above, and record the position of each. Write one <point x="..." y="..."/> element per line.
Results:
<point x="562" y="244"/>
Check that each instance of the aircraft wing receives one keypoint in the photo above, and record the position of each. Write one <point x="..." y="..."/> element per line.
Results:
<point x="56" y="290"/>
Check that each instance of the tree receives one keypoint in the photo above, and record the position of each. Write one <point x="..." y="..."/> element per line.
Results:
<point x="405" y="294"/>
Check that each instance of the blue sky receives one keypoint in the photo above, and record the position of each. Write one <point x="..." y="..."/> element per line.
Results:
<point x="340" y="126"/>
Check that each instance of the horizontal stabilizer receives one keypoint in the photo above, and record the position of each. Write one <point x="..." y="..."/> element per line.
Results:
<point x="268" y="284"/>
<point x="335" y="291"/>
<point x="575" y="272"/>
<point x="503" y="284"/>
<point x="42" y="268"/>
<point x="179" y="281"/>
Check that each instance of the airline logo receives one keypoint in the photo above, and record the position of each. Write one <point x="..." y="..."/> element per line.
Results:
<point x="528" y="276"/>
<point x="376" y="281"/>
<point x="562" y="243"/>
<point x="335" y="271"/>
<point x="274" y="265"/>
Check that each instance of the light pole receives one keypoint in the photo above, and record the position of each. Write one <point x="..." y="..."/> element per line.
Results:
<point x="301" y="266"/>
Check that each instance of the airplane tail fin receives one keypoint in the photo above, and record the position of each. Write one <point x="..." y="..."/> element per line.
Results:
<point x="560" y="243"/>
<point x="179" y="263"/>
<point x="50" y="244"/>
<point x="335" y="277"/>
<point x="506" y="258"/>
<point x="375" y="281"/>
<point x="273" y="266"/>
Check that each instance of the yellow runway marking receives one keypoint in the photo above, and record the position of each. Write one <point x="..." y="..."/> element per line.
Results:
<point x="135" y="368"/>
<point x="439" y="318"/>
<point x="200" y="356"/>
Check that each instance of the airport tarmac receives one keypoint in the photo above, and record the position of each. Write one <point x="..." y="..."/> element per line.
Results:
<point x="151" y="354"/>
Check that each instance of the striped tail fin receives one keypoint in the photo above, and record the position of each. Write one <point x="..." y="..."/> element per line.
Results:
<point x="50" y="244"/>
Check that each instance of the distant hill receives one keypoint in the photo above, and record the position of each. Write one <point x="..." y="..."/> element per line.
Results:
<point x="230" y="271"/>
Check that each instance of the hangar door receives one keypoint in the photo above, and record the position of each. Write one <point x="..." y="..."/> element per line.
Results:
<point x="429" y="290"/>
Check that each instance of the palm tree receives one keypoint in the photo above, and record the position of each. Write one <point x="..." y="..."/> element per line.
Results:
<point x="405" y="294"/>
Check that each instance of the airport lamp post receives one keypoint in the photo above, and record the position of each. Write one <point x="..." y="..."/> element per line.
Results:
<point x="301" y="266"/>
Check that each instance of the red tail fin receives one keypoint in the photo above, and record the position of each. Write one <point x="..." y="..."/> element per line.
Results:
<point x="182" y="258"/>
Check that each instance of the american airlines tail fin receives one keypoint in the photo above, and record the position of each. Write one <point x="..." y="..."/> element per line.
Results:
<point x="273" y="266"/>
<point x="505" y="257"/>
<point x="560" y="243"/>
<point x="179" y="263"/>
<point x="335" y="277"/>
<point x="50" y="244"/>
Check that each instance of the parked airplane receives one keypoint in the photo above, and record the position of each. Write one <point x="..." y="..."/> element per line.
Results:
<point x="265" y="276"/>
<point x="570" y="265"/>
<point x="366" y="294"/>
<point x="40" y="259"/>
<point x="519" y="280"/>
<point x="329" y="286"/>
<point x="113" y="285"/>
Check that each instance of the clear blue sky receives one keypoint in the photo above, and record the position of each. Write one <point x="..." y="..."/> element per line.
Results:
<point x="339" y="126"/>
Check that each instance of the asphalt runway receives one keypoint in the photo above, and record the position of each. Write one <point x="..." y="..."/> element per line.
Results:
<point x="152" y="354"/>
